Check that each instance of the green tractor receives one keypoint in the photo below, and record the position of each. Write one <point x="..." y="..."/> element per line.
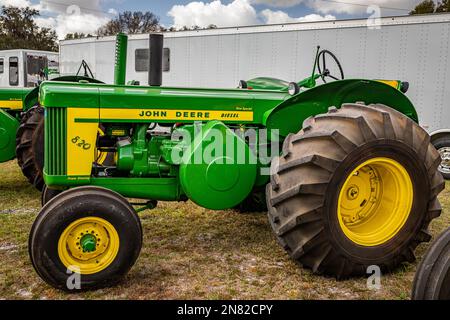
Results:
<point x="22" y="127"/>
<point x="349" y="178"/>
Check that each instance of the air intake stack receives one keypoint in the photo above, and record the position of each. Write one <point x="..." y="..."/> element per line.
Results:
<point x="120" y="67"/>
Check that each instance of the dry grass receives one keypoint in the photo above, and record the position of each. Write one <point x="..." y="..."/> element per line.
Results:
<point x="188" y="253"/>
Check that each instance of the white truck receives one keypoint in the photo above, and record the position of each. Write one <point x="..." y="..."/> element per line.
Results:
<point x="407" y="48"/>
<point x="27" y="68"/>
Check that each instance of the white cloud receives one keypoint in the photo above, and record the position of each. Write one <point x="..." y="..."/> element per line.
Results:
<point x="360" y="7"/>
<point x="15" y="3"/>
<point x="86" y="16"/>
<point x="276" y="17"/>
<point x="278" y="3"/>
<point x="236" y="13"/>
<point x="18" y="3"/>
<point x="66" y="23"/>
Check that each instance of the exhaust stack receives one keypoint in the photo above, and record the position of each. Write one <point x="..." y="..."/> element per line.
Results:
<point x="155" y="59"/>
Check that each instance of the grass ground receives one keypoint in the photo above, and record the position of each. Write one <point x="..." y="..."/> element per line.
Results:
<point x="188" y="253"/>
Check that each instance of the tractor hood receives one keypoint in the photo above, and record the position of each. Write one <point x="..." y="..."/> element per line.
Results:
<point x="163" y="104"/>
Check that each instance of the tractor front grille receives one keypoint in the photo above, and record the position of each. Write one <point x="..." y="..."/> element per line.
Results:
<point x="55" y="141"/>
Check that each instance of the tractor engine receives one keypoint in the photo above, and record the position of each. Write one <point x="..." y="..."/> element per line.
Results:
<point x="214" y="164"/>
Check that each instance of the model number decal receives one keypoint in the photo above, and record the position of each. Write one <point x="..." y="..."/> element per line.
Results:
<point x="79" y="142"/>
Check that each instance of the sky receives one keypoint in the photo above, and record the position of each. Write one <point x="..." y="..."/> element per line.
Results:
<point x="86" y="16"/>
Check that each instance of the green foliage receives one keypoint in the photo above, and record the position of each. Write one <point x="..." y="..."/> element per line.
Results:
<point x="131" y="23"/>
<point x="426" y="6"/>
<point x="19" y="31"/>
<point x="443" y="6"/>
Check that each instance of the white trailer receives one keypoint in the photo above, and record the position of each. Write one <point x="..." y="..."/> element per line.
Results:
<point x="407" y="48"/>
<point x="27" y="68"/>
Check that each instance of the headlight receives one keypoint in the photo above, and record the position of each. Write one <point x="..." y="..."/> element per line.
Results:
<point x="242" y="84"/>
<point x="404" y="87"/>
<point x="293" y="88"/>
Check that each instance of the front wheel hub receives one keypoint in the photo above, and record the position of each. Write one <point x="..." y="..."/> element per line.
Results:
<point x="88" y="243"/>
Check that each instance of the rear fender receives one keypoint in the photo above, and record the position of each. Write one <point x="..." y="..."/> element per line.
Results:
<point x="8" y="129"/>
<point x="289" y="115"/>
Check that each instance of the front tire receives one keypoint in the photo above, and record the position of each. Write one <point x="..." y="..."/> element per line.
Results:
<point x="356" y="187"/>
<point x="91" y="231"/>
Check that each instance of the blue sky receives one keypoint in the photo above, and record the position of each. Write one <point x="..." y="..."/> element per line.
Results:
<point x="86" y="16"/>
<point x="161" y="8"/>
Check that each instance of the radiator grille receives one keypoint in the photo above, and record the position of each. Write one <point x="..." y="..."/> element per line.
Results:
<point x="55" y="141"/>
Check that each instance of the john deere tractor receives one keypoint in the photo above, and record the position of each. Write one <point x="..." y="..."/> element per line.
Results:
<point x="22" y="126"/>
<point x="354" y="184"/>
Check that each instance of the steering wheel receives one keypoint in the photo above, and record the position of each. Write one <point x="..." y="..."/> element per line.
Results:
<point x="322" y="66"/>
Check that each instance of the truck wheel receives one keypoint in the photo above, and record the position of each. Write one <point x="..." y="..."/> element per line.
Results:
<point x="356" y="187"/>
<point x="30" y="146"/>
<point x="442" y="144"/>
<point x="432" y="280"/>
<point x="85" y="238"/>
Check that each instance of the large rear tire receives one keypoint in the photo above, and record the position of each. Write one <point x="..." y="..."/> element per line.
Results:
<point x="30" y="146"/>
<point x="432" y="280"/>
<point x="356" y="187"/>
<point x="90" y="231"/>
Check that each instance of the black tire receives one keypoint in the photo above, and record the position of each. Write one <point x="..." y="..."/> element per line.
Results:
<point x="48" y="194"/>
<point x="72" y="205"/>
<point x="255" y="202"/>
<point x="432" y="280"/>
<point x="306" y="181"/>
<point x="442" y="144"/>
<point x="30" y="146"/>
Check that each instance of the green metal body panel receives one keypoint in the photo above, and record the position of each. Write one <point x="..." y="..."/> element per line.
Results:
<point x="11" y="105"/>
<point x="164" y="189"/>
<point x="13" y="94"/>
<point x="222" y="181"/>
<point x="8" y="129"/>
<point x="59" y="94"/>
<point x="289" y="115"/>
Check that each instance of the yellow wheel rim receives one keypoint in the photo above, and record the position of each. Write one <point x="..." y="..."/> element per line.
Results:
<point x="88" y="245"/>
<point x="375" y="202"/>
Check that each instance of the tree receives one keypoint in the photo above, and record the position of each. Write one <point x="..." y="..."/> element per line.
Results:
<point x="19" y="31"/>
<point x="426" y="6"/>
<point x="443" y="6"/>
<point x="131" y="23"/>
<point x="76" y="35"/>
